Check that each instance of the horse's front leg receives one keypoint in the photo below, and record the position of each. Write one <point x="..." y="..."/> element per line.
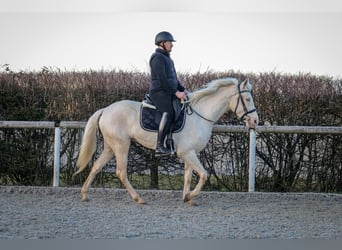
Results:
<point x="187" y="182"/>
<point x="192" y="162"/>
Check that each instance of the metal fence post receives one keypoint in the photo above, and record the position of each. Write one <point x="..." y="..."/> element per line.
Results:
<point x="57" y="152"/>
<point x="252" y="149"/>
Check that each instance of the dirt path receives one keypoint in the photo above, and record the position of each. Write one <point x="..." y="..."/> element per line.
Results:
<point x="44" y="212"/>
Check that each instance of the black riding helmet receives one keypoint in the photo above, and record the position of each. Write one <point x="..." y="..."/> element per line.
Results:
<point x="163" y="37"/>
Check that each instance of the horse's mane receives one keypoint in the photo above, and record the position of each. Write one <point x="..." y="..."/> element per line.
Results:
<point x="211" y="88"/>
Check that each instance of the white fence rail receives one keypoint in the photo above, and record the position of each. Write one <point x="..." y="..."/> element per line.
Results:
<point x="217" y="129"/>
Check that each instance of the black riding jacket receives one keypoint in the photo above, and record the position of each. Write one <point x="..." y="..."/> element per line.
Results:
<point x="163" y="74"/>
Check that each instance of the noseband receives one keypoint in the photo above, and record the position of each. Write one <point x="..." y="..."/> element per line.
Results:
<point x="243" y="104"/>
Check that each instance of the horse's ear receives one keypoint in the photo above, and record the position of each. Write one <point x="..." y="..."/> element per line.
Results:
<point x="243" y="84"/>
<point x="247" y="84"/>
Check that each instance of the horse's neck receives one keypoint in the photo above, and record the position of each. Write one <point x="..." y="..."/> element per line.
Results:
<point x="214" y="106"/>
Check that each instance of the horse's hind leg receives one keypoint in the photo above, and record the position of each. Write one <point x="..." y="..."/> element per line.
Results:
<point x="105" y="156"/>
<point x="121" y="155"/>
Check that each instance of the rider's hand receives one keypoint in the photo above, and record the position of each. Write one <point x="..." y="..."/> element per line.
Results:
<point x="181" y="95"/>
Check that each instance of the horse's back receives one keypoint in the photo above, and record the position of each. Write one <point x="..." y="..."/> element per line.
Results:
<point x="120" y="115"/>
<point x="123" y="104"/>
<point x="122" y="110"/>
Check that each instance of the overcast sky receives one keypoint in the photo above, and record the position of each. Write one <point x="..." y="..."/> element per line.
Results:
<point x="218" y="37"/>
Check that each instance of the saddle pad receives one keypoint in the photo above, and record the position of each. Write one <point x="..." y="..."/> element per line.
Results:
<point x="150" y="118"/>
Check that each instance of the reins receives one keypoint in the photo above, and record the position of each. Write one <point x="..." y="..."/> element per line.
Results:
<point x="190" y="110"/>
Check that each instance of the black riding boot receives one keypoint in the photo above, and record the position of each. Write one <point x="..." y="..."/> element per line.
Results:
<point x="161" y="149"/>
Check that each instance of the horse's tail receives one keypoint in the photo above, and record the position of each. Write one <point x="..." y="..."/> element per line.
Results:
<point x="88" y="146"/>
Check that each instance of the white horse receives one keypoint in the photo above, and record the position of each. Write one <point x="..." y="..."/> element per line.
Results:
<point x="119" y="124"/>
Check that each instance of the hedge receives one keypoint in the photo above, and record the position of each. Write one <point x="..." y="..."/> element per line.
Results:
<point x="291" y="162"/>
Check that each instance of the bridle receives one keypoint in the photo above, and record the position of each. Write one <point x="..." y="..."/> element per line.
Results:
<point x="246" y="111"/>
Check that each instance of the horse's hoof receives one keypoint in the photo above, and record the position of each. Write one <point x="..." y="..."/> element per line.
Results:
<point x="192" y="203"/>
<point x="140" y="201"/>
<point x="85" y="199"/>
<point x="187" y="197"/>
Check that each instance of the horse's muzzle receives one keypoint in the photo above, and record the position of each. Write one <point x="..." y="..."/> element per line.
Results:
<point x="251" y="121"/>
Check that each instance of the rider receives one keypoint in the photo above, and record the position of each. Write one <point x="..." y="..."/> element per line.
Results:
<point x="164" y="86"/>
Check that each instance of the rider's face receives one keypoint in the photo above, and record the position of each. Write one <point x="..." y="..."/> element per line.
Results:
<point x="168" y="46"/>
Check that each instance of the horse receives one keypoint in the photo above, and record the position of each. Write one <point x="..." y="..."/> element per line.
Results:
<point x="119" y="125"/>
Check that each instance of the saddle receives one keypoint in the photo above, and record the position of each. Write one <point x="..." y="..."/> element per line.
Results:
<point x="150" y="118"/>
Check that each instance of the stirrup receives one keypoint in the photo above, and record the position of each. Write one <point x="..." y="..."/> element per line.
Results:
<point x="160" y="150"/>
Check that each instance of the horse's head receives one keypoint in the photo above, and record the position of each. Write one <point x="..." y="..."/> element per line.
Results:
<point x="243" y="105"/>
